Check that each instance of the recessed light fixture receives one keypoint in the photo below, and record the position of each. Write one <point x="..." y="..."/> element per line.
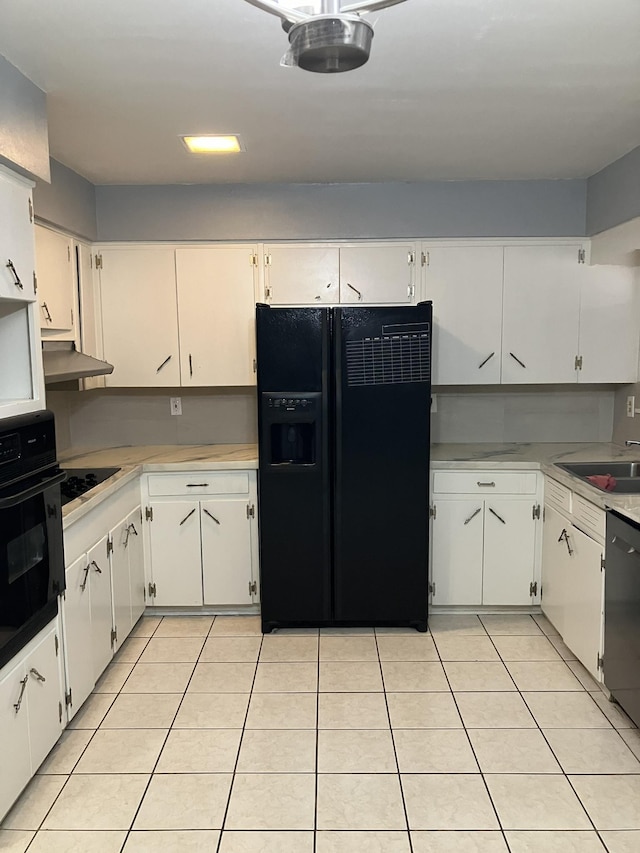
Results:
<point x="214" y="144"/>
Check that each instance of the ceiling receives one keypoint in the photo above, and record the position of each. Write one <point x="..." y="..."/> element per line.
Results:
<point x="454" y="90"/>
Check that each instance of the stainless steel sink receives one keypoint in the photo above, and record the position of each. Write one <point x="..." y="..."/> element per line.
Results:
<point x="626" y="474"/>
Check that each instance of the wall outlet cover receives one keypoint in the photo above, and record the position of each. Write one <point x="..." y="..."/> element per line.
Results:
<point x="631" y="407"/>
<point x="176" y="405"/>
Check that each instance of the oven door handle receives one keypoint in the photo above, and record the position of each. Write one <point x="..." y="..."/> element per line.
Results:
<point x="24" y="495"/>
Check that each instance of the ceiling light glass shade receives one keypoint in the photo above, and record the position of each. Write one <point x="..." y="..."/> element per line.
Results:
<point x="213" y="144"/>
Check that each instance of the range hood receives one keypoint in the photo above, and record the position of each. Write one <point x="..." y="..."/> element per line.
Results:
<point x="61" y="361"/>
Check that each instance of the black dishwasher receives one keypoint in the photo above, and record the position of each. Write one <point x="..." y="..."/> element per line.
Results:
<point x="622" y="614"/>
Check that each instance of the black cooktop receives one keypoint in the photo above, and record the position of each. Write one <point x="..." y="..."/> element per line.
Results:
<point x="82" y="480"/>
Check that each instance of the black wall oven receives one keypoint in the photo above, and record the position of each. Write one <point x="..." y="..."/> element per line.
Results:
<point x="31" y="551"/>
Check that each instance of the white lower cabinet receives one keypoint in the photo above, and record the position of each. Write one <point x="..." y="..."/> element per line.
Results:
<point x="101" y="605"/>
<point x="484" y="549"/>
<point x="127" y="573"/>
<point x="78" y="646"/>
<point x="573" y="574"/>
<point x="202" y="536"/>
<point x="31" y="702"/>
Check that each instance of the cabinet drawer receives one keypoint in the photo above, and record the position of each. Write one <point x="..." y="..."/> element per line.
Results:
<point x="485" y="482"/>
<point x="557" y="495"/>
<point x="589" y="517"/>
<point x="199" y="483"/>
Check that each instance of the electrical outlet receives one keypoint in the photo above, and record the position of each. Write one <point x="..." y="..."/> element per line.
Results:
<point x="176" y="405"/>
<point x="434" y="404"/>
<point x="631" y="407"/>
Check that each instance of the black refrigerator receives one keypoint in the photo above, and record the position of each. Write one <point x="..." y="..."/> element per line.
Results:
<point x="344" y="398"/>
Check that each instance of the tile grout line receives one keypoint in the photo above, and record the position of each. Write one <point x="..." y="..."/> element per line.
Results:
<point x="316" y="780"/>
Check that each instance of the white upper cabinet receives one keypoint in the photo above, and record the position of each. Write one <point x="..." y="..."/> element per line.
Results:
<point x="57" y="283"/>
<point x="301" y="275"/>
<point x="465" y="285"/>
<point x="609" y="325"/>
<point x="378" y="274"/>
<point x="540" y="313"/>
<point x="139" y="316"/>
<point x="90" y="312"/>
<point x="16" y="238"/>
<point x="216" y="310"/>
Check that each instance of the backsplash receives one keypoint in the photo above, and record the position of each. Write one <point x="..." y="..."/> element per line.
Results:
<point x="109" y="418"/>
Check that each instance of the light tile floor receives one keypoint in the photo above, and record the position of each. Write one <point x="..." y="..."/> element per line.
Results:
<point x="483" y="736"/>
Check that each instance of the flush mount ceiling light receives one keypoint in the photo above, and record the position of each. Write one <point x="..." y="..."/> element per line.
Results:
<point x="326" y="36"/>
<point x="213" y="144"/>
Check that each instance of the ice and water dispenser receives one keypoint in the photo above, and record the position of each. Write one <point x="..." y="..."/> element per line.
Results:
<point x="291" y="428"/>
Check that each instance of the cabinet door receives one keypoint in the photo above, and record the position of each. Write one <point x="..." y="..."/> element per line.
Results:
<point x="139" y="316"/>
<point x="176" y="563"/>
<point x="584" y="603"/>
<point x="540" y="313"/>
<point x="456" y="553"/>
<point x="301" y="275"/>
<point x="56" y="279"/>
<point x="609" y="324"/>
<point x="216" y="305"/>
<point x="78" y="638"/>
<point x="378" y="274"/>
<point x="465" y="285"/>
<point x="509" y="552"/>
<point x="554" y="567"/>
<point x="16" y="239"/>
<point x="136" y="565"/>
<point x="121" y="590"/>
<point x="226" y="552"/>
<point x="101" y="607"/>
<point x="14" y="738"/>
<point x="90" y="312"/>
<point x="44" y="698"/>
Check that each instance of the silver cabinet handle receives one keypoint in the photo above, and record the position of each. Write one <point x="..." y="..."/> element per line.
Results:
<point x="23" y="685"/>
<point x="132" y="529"/>
<point x="16" y="277"/>
<point x="188" y="515"/>
<point x="197" y="485"/>
<point x="564" y="535"/>
<point x="493" y="512"/>
<point x="488" y="485"/>
<point x="96" y="567"/>
<point x="165" y="362"/>
<point x="473" y="515"/>
<point x="47" y="315"/>
<point x="83" y="585"/>
<point x="355" y="290"/>
<point x="34" y="672"/>
<point x="488" y="358"/>
<point x="515" y="358"/>
<point x="129" y="529"/>
<point x="204" y="509"/>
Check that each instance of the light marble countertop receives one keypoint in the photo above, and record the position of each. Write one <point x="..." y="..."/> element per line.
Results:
<point x="525" y="455"/>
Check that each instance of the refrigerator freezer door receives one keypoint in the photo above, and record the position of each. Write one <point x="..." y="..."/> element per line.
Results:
<point x="382" y="405"/>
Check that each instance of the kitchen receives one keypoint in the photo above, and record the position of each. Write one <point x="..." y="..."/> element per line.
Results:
<point x="512" y="241"/>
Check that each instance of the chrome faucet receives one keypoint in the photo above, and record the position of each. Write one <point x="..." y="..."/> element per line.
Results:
<point x="629" y="442"/>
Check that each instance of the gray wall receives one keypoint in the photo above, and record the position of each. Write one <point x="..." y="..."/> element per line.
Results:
<point x="613" y="194"/>
<point x="68" y="202"/>
<point x="24" y="142"/>
<point x="339" y="211"/>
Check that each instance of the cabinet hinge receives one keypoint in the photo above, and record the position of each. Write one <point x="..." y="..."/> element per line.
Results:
<point x="582" y="255"/>
<point x="56" y="643"/>
<point x="68" y="700"/>
<point x="148" y="513"/>
<point x="152" y="590"/>
<point x="267" y="260"/>
<point x="253" y="259"/>
<point x="411" y="291"/>
<point x="98" y="262"/>
<point x="432" y="511"/>
<point x="30" y="211"/>
<point x="255" y="366"/>
<point x="69" y="254"/>
<point x="431" y="587"/>
<point x="35" y="282"/>
<point x="425" y="259"/>
<point x="268" y="292"/>
<point x="578" y="363"/>
<point x="253" y="587"/>
<point x="600" y="661"/>
<point x="535" y="513"/>
<point x="59" y="712"/>
<point x="533" y="589"/>
<point x="411" y="258"/>
<point x="114" y="636"/>
<point x="109" y="545"/>
<point x="602" y="563"/>
<point x="251" y="511"/>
